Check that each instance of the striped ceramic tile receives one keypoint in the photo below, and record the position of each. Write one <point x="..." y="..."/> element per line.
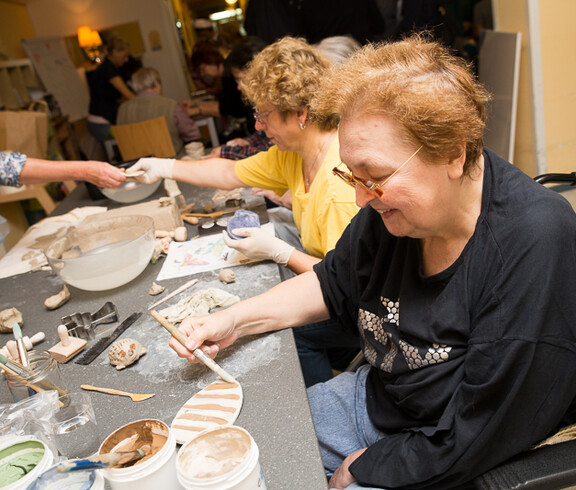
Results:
<point x="217" y="404"/>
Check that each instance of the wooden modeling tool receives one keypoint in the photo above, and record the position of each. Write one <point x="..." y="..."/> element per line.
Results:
<point x="101" y="461"/>
<point x="215" y="214"/>
<point x="30" y="342"/>
<point x="175" y="292"/>
<point x="68" y="346"/>
<point x="22" y="352"/>
<point x="203" y="358"/>
<point x="190" y="219"/>
<point x="11" y="348"/>
<point x="136" y="397"/>
<point x="179" y="234"/>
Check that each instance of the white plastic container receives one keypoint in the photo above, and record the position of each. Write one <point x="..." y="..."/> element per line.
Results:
<point x="52" y="480"/>
<point x="22" y="450"/>
<point x="221" y="458"/>
<point x="156" y="471"/>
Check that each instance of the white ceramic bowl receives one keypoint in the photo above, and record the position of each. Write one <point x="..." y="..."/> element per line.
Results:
<point x="103" y="254"/>
<point x="130" y="191"/>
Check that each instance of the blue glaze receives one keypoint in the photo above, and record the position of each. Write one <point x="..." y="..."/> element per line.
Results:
<point x="242" y="219"/>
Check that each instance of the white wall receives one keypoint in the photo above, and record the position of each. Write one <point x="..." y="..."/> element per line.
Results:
<point x="60" y="18"/>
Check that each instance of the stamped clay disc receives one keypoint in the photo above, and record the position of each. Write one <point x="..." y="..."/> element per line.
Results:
<point x="216" y="405"/>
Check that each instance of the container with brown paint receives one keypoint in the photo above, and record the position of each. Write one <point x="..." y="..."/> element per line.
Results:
<point x="155" y="470"/>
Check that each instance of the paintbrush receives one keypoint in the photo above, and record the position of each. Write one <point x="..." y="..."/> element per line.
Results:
<point x="22" y="353"/>
<point x="24" y="372"/>
<point x="101" y="461"/>
<point x="203" y="358"/>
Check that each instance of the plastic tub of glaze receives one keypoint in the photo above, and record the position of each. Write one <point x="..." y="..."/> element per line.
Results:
<point x="77" y="479"/>
<point x="221" y="458"/>
<point x="156" y="470"/>
<point x="22" y="460"/>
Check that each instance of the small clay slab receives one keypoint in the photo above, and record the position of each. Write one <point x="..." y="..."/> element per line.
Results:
<point x="217" y="405"/>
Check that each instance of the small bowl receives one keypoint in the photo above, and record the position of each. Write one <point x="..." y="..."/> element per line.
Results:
<point x="103" y="253"/>
<point x="130" y="191"/>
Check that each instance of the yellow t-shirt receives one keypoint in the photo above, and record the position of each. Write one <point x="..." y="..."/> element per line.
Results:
<point x="322" y="214"/>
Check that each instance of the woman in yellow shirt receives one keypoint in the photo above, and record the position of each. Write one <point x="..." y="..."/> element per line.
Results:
<point x="280" y="83"/>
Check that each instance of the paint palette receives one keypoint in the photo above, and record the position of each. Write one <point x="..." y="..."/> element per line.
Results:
<point x="216" y="405"/>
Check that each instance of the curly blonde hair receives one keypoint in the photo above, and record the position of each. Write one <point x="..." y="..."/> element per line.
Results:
<point x="286" y="74"/>
<point x="417" y="82"/>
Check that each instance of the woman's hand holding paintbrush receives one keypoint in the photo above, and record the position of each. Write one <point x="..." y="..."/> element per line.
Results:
<point x="183" y="351"/>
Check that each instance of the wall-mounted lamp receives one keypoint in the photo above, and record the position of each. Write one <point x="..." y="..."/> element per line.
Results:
<point x="90" y="41"/>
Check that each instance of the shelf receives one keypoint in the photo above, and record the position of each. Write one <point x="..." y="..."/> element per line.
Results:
<point x="15" y="78"/>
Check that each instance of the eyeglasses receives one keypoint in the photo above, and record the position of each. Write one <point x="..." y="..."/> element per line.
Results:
<point x="368" y="184"/>
<point x="261" y="117"/>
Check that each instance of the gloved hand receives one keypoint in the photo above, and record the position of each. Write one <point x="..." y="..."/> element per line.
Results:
<point x="154" y="168"/>
<point x="259" y="244"/>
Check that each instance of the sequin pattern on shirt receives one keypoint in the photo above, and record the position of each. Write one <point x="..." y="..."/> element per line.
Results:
<point x="11" y="165"/>
<point x="376" y="329"/>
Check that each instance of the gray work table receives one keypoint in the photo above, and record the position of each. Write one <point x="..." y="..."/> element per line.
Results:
<point x="275" y="409"/>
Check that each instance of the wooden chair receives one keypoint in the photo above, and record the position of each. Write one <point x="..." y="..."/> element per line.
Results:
<point x="31" y="191"/>
<point x="149" y="137"/>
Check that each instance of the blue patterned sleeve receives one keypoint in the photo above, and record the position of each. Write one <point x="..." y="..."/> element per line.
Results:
<point x="11" y="165"/>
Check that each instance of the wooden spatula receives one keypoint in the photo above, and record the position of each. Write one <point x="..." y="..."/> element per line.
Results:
<point x="136" y="397"/>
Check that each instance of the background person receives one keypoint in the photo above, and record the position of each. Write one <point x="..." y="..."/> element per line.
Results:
<point x="107" y="89"/>
<point x="150" y="103"/>
<point x="233" y="105"/>
<point x="458" y="274"/>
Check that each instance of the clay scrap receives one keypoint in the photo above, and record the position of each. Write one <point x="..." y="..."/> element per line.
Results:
<point x="156" y="289"/>
<point x="7" y="319"/>
<point x="57" y="300"/>
<point x="200" y="303"/>
<point x="227" y="276"/>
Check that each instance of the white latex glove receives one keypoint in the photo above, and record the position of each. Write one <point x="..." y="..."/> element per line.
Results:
<point x="154" y="169"/>
<point x="259" y="244"/>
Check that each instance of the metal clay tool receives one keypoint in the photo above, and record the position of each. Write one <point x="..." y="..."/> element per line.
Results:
<point x="82" y="325"/>
<point x="94" y="351"/>
<point x="203" y="358"/>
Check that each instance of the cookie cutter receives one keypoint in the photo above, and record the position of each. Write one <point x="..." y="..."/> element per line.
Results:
<point x="82" y="325"/>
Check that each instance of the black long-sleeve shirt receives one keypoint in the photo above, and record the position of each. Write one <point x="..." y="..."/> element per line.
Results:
<point x="472" y="365"/>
